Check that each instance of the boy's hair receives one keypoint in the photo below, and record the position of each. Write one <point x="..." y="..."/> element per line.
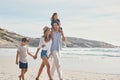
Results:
<point x="25" y="39"/>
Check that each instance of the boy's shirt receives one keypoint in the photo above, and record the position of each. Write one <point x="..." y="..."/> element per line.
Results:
<point x="22" y="53"/>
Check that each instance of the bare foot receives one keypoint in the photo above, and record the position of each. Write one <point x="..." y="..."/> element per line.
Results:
<point x="36" y="79"/>
<point x="19" y="77"/>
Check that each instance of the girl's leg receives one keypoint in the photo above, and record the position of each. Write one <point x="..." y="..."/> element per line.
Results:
<point x="40" y="70"/>
<point x="45" y="60"/>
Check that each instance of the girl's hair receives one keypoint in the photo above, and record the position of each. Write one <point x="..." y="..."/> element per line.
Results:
<point x="47" y="39"/>
<point x="52" y="18"/>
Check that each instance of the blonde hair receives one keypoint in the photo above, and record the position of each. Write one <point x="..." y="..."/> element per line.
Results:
<point x="46" y="38"/>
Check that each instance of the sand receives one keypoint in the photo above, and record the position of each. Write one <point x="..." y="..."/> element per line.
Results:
<point x="10" y="71"/>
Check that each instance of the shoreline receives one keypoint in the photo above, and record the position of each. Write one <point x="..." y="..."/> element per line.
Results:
<point x="10" y="71"/>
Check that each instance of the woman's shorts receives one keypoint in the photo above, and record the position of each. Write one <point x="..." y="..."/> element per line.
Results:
<point x="44" y="53"/>
<point x="23" y="65"/>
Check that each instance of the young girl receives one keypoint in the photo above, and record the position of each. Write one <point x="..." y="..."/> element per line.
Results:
<point x="45" y="45"/>
<point x="21" y="57"/>
<point x="54" y="19"/>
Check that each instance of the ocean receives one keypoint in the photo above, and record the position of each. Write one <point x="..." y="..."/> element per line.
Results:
<point x="98" y="60"/>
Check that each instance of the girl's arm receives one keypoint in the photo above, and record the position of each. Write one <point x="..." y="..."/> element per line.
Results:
<point x="63" y="37"/>
<point x="52" y="32"/>
<point x="17" y="55"/>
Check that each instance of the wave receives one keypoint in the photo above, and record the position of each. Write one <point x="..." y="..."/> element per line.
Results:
<point x="109" y="52"/>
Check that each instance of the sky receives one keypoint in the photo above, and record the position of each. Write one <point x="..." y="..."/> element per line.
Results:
<point x="89" y="19"/>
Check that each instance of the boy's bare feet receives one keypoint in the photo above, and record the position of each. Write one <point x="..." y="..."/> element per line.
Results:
<point x="19" y="77"/>
<point x="36" y="79"/>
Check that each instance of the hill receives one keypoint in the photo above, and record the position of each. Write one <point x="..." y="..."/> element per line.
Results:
<point x="9" y="39"/>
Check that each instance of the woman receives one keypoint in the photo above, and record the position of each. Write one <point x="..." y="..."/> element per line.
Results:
<point x="56" y="48"/>
<point x="45" y="45"/>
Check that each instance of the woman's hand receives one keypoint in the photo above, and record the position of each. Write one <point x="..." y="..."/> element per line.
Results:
<point x="35" y="57"/>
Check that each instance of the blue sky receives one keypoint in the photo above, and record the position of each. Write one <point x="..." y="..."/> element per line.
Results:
<point x="89" y="19"/>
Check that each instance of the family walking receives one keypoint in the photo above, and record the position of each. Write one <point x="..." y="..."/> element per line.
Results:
<point x="50" y="45"/>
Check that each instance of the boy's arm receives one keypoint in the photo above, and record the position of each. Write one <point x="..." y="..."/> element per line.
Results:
<point x="17" y="55"/>
<point x="29" y="54"/>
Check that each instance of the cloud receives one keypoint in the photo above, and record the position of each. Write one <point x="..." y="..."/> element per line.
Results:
<point x="89" y="19"/>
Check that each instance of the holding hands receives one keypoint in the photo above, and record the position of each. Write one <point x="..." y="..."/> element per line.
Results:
<point x="35" y="56"/>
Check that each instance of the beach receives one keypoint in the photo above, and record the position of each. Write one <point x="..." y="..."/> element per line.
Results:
<point x="10" y="71"/>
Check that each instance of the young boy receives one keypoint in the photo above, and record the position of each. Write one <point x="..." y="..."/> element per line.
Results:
<point x="21" y="57"/>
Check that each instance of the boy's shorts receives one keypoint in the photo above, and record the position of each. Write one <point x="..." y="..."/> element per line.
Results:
<point x="44" y="53"/>
<point x="23" y="65"/>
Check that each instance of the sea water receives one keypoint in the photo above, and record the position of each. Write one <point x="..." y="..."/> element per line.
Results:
<point x="98" y="60"/>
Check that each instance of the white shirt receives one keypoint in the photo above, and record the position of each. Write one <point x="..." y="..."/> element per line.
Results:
<point x="22" y="53"/>
<point x="47" y="44"/>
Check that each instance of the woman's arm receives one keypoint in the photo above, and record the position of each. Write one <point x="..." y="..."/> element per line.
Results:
<point x="41" y="45"/>
<point x="37" y="52"/>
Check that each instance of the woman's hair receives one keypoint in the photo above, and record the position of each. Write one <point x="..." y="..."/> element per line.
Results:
<point x="52" y="18"/>
<point x="45" y="30"/>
